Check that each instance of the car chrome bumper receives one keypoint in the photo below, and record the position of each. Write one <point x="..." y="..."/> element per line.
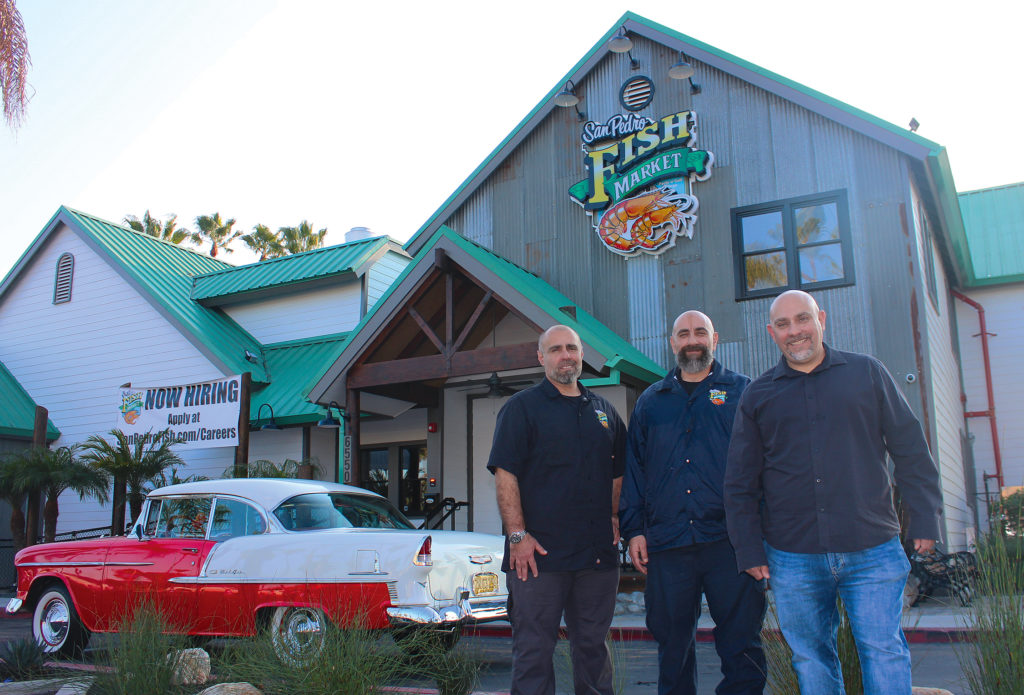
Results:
<point x="467" y="611"/>
<point x="14" y="605"/>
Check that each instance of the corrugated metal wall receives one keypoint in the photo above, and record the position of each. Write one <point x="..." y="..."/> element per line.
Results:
<point x="765" y="149"/>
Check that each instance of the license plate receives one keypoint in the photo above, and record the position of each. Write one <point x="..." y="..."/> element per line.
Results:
<point x="485" y="583"/>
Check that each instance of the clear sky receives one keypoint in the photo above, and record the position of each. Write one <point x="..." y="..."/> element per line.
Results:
<point x="372" y="113"/>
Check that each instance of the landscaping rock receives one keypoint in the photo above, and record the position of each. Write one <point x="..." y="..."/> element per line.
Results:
<point x="232" y="689"/>
<point x="191" y="666"/>
<point x="929" y="691"/>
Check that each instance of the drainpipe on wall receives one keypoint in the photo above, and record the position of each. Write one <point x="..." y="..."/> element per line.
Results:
<point x="991" y="412"/>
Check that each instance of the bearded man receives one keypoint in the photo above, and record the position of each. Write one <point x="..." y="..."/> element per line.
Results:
<point x="557" y="460"/>
<point x="672" y="514"/>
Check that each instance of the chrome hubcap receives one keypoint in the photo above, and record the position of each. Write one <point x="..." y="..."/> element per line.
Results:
<point x="54" y="626"/>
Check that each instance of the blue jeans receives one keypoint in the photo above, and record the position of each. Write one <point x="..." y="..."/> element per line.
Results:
<point x="870" y="583"/>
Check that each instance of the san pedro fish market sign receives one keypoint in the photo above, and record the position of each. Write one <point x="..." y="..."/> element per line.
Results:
<point x="200" y="415"/>
<point x="640" y="175"/>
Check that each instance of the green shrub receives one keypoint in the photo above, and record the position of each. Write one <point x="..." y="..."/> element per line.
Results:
<point x="1008" y="515"/>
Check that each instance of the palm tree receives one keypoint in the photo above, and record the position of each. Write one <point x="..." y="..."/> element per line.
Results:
<point x="152" y="226"/>
<point x="265" y="468"/>
<point x="218" y="232"/>
<point x="14" y="64"/>
<point x="264" y="242"/>
<point x="56" y="470"/>
<point x="13" y="491"/>
<point x="163" y="480"/>
<point x="301" y="238"/>
<point x="131" y="466"/>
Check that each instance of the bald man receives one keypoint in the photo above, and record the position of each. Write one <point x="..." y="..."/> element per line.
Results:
<point x="671" y="513"/>
<point x="808" y="473"/>
<point x="557" y="461"/>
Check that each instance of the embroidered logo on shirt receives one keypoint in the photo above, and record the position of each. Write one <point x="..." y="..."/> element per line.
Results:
<point x="602" y="418"/>
<point x="717" y="397"/>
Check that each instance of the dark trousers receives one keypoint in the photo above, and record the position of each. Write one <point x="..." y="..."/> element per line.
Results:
<point x="587" y="598"/>
<point x="675" y="580"/>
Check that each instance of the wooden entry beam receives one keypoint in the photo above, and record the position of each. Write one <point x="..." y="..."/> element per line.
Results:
<point x="465" y="363"/>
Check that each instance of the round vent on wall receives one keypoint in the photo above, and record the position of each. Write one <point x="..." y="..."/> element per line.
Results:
<point x="636" y="93"/>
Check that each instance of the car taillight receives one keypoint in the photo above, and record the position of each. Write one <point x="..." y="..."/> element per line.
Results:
<point x="423" y="556"/>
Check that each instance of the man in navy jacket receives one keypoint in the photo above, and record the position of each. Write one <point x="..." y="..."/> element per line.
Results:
<point x="671" y="513"/>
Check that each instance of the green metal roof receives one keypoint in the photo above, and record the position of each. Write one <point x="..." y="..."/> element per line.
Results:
<point x="994" y="225"/>
<point x="18" y="414"/>
<point x="619" y="355"/>
<point x="933" y="154"/>
<point x="294" y="368"/>
<point x="162" y="272"/>
<point x="289" y="270"/>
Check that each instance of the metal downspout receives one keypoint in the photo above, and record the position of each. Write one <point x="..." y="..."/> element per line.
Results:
<point x="991" y="412"/>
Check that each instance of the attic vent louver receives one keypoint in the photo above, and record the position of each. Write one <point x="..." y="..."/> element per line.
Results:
<point x="62" y="281"/>
<point x="636" y="93"/>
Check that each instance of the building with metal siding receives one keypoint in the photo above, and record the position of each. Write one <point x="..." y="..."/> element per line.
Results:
<point x="781" y="186"/>
<point x="774" y="143"/>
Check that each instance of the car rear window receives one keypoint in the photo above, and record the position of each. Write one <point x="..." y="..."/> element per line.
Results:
<point x="338" y="510"/>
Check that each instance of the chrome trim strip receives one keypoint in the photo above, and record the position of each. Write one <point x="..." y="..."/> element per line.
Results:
<point x="61" y="564"/>
<point x="236" y="579"/>
<point x="85" y="564"/>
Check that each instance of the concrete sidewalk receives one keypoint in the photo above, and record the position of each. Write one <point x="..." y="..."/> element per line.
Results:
<point x="929" y="621"/>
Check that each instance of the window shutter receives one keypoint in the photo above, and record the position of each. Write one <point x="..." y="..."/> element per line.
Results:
<point x="62" y="282"/>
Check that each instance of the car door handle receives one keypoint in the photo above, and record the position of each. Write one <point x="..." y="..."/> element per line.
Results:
<point x="191" y="550"/>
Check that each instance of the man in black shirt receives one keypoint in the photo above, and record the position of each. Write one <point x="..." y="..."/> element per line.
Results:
<point x="807" y="473"/>
<point x="558" y="457"/>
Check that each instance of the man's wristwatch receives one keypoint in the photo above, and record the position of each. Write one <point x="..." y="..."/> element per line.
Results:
<point x="516" y="537"/>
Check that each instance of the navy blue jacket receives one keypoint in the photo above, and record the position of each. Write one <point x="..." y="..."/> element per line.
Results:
<point x="675" y="460"/>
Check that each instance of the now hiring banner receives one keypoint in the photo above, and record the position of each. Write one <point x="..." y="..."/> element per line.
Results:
<point x="194" y="416"/>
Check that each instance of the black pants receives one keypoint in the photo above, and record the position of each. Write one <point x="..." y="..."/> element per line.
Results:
<point x="587" y="598"/>
<point x="675" y="580"/>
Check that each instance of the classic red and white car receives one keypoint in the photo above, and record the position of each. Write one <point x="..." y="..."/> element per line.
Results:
<point x="232" y="557"/>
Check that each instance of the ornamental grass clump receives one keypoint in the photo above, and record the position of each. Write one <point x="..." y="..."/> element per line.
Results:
<point x="138" y="664"/>
<point x="353" y="661"/>
<point x="22" y="659"/>
<point x="992" y="658"/>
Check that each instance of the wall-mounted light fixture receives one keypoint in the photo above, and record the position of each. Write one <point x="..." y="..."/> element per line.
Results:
<point x="621" y="43"/>
<point x="567" y="97"/>
<point x="252" y="357"/>
<point x="329" y="421"/>
<point x="271" y="424"/>
<point x="682" y="70"/>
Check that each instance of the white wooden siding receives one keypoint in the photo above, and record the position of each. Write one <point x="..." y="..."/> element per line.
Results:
<point x="300" y="314"/>
<point x="946" y="410"/>
<point x="382" y="274"/>
<point x="1004" y="318"/>
<point x="72" y="357"/>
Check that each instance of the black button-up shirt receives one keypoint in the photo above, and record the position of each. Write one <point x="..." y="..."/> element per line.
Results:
<point x="564" y="452"/>
<point x="813" y="448"/>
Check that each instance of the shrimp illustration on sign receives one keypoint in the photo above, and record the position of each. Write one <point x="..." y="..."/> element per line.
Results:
<point x="646" y="221"/>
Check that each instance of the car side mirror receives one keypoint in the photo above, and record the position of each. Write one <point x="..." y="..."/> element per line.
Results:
<point x="138" y="531"/>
